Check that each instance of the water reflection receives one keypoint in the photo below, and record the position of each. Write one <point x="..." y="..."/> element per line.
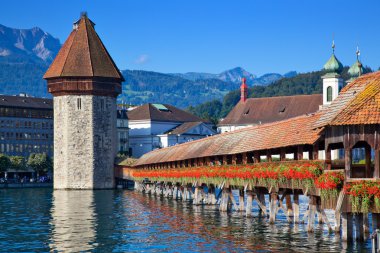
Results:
<point x="40" y="220"/>
<point x="73" y="221"/>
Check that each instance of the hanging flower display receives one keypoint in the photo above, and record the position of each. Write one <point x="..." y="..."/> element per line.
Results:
<point x="299" y="174"/>
<point x="362" y="194"/>
<point x="330" y="183"/>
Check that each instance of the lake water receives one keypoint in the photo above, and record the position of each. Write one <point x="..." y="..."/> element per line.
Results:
<point x="43" y="220"/>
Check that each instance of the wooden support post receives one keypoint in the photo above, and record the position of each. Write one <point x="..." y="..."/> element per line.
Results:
<point x="299" y="153"/>
<point x="282" y="155"/>
<point x="289" y="208"/>
<point x="296" y="208"/>
<point x="224" y="160"/>
<point x="233" y="201"/>
<point x="315" y="152"/>
<point x="326" y="220"/>
<point x="248" y="207"/>
<point x="328" y="157"/>
<point x="241" y="200"/>
<point x="233" y="158"/>
<point x="359" y="232"/>
<point x="273" y="207"/>
<point x="347" y="162"/>
<point x="376" y="173"/>
<point x="319" y="209"/>
<point x="365" y="223"/>
<point x="269" y="156"/>
<point x="375" y="221"/>
<point x="346" y="226"/>
<point x="337" y="222"/>
<point x="224" y="201"/>
<point x="260" y="199"/>
<point x="256" y="157"/>
<point x="368" y="161"/>
<point x="312" y="210"/>
<point x="244" y="158"/>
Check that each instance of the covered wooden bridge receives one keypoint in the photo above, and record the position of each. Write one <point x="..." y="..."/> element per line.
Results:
<point x="284" y="159"/>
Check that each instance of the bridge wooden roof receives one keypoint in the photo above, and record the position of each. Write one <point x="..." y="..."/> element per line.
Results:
<point x="291" y="132"/>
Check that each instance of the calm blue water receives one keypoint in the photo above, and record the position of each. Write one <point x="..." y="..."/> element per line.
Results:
<point x="43" y="220"/>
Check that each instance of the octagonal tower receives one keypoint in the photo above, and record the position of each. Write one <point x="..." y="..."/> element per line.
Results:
<point x="84" y="82"/>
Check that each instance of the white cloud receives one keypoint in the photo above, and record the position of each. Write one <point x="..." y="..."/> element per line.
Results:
<point x="142" y="59"/>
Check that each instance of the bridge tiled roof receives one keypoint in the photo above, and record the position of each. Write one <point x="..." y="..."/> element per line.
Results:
<point x="364" y="108"/>
<point x="291" y="132"/>
<point x="357" y="103"/>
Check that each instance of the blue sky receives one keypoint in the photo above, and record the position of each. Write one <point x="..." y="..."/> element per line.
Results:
<point x="215" y="35"/>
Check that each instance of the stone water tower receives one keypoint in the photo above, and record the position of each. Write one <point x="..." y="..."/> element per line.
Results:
<point x="85" y="82"/>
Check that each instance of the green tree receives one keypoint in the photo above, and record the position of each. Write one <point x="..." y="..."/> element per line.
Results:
<point x="40" y="162"/>
<point x="5" y="163"/>
<point x="18" y="163"/>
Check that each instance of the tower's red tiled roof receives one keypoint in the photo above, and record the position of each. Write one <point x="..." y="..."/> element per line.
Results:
<point x="83" y="55"/>
<point x="271" y="109"/>
<point x="357" y="103"/>
<point x="291" y="132"/>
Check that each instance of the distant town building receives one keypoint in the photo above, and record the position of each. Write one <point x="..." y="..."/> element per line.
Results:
<point x="122" y="132"/>
<point x="257" y="111"/>
<point x="153" y="126"/>
<point x="26" y="125"/>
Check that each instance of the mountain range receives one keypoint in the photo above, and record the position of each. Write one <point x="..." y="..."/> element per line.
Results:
<point x="25" y="55"/>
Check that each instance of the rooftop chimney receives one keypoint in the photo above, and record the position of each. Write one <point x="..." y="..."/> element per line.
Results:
<point x="243" y="90"/>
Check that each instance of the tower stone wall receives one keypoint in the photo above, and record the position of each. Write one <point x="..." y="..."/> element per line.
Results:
<point x="84" y="141"/>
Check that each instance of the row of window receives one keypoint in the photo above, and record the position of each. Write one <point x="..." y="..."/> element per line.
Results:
<point x="25" y="136"/>
<point x="26" y="113"/>
<point x="25" y="124"/>
<point x="25" y="148"/>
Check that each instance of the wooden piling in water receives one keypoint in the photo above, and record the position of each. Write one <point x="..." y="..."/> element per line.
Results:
<point x="296" y="208"/>
<point x="347" y="225"/>
<point x="312" y="212"/>
<point x="273" y="207"/>
<point x="248" y="208"/>
<point x="359" y="231"/>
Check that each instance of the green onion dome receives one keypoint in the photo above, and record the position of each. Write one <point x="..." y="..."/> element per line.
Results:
<point x="356" y="69"/>
<point x="333" y="65"/>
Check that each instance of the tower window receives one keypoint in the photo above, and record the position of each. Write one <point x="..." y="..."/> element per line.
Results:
<point x="79" y="103"/>
<point x="102" y="104"/>
<point x="329" y="94"/>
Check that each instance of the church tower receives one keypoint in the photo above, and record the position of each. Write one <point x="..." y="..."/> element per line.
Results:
<point x="332" y="81"/>
<point x="84" y="82"/>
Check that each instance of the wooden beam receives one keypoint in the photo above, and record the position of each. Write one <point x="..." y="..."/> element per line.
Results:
<point x="315" y="152"/>
<point x="224" y="160"/>
<point x="233" y="158"/>
<point x="359" y="232"/>
<point x="282" y="154"/>
<point x="299" y="153"/>
<point x="241" y="200"/>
